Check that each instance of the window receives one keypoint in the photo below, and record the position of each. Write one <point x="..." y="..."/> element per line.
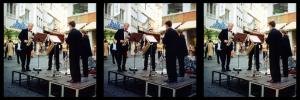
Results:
<point x="11" y="9"/>
<point x="80" y="8"/>
<point x="211" y="9"/>
<point x="120" y="17"/>
<point x="175" y="8"/>
<point x="26" y="16"/>
<point x="108" y="9"/>
<point x="280" y="8"/>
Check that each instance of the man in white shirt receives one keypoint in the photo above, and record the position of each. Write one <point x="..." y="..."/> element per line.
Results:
<point x="25" y="36"/>
<point x="113" y="50"/>
<point x="18" y="50"/>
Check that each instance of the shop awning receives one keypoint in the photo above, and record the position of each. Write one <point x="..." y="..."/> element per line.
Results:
<point x="90" y="26"/>
<point x="80" y="25"/>
<point x="188" y="25"/>
<point x="290" y="26"/>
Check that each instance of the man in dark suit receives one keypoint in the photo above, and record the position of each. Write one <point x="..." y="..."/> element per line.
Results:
<point x="151" y="51"/>
<point x="170" y="39"/>
<point x="255" y="51"/>
<point x="182" y="53"/>
<point x="273" y="40"/>
<point x="285" y="53"/>
<point x="113" y="50"/>
<point x="225" y="37"/>
<point x="122" y="46"/>
<point x="55" y="51"/>
<point x="26" y="36"/>
<point x="73" y="40"/>
<point x="18" y="51"/>
<point x="86" y="52"/>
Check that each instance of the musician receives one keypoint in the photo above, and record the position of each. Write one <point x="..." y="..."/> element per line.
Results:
<point x="225" y="37"/>
<point x="273" y="40"/>
<point x="85" y="53"/>
<point x="151" y="51"/>
<point x="113" y="50"/>
<point x="122" y="46"/>
<point x="55" y="51"/>
<point x="285" y="53"/>
<point x="73" y="40"/>
<point x="170" y="39"/>
<point x="255" y="50"/>
<point x="182" y="53"/>
<point x="26" y="36"/>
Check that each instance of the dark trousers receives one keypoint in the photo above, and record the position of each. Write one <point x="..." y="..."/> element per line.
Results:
<point x="218" y="52"/>
<point x="64" y="54"/>
<point x="250" y="57"/>
<point x="159" y="54"/>
<point x="181" y="65"/>
<point x="85" y="70"/>
<point x="74" y="67"/>
<point x="284" y="60"/>
<point x="18" y="53"/>
<point x="113" y="55"/>
<point x="171" y="66"/>
<point x="274" y="67"/>
<point x="264" y="54"/>
<point x="25" y="55"/>
<point x="6" y="50"/>
<point x="121" y="57"/>
<point x="50" y="56"/>
<point x="152" y="56"/>
<point x="225" y="56"/>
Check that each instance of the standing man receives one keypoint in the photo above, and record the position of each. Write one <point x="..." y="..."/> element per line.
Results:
<point x="55" y="51"/>
<point x="113" y="50"/>
<point x="25" y="37"/>
<point x="182" y="53"/>
<point x="151" y="51"/>
<point x="122" y="36"/>
<point x="226" y="38"/>
<point x="85" y="53"/>
<point x="286" y="52"/>
<point x="218" y="51"/>
<point x="273" y="40"/>
<point x="73" y="40"/>
<point x="169" y="40"/>
<point x="255" y="51"/>
<point x="18" y="50"/>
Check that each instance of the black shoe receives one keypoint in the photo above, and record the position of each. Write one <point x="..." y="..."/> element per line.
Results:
<point x="145" y="69"/>
<point x="23" y="70"/>
<point x="48" y="69"/>
<point x="153" y="69"/>
<point x="248" y="69"/>
<point x="228" y="70"/>
<point x="124" y="70"/>
<point x="28" y="70"/>
<point x="119" y="70"/>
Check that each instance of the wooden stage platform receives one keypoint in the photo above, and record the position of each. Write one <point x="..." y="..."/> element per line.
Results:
<point x="58" y="80"/>
<point x="260" y="79"/>
<point x="157" y="81"/>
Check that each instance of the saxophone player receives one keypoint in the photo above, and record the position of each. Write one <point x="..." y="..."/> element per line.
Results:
<point x="55" y="51"/>
<point x="151" y="51"/>
<point x="225" y="37"/>
<point x="122" y="46"/>
<point x="255" y="51"/>
<point x="25" y="37"/>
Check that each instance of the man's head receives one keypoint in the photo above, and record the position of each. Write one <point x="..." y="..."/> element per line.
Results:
<point x="30" y="26"/>
<point x="230" y="26"/>
<point x="272" y="24"/>
<point x="168" y="24"/>
<point x="126" y="26"/>
<point x="72" y="24"/>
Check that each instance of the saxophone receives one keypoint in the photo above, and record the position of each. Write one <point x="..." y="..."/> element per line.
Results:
<point x="229" y="41"/>
<point x="29" y="42"/>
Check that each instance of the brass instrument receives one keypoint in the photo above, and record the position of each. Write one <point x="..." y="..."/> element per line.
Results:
<point x="249" y="48"/>
<point x="229" y="41"/>
<point x="49" y="49"/>
<point x="125" y="42"/>
<point x="29" y="42"/>
<point x="145" y="48"/>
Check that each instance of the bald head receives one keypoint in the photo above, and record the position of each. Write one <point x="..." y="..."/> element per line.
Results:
<point x="126" y="25"/>
<point x="30" y="26"/>
<point x="230" y="26"/>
